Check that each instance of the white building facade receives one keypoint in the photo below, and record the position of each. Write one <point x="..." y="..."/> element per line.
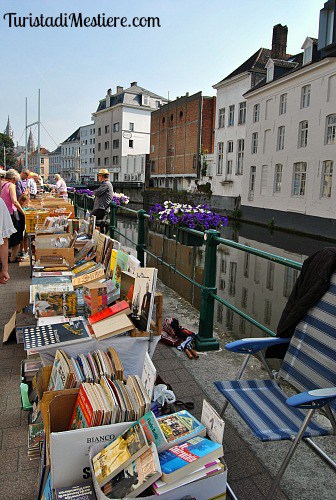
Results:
<point x="70" y="158"/>
<point x="122" y="130"/>
<point x="87" y="152"/>
<point x="291" y="146"/>
<point x="55" y="162"/>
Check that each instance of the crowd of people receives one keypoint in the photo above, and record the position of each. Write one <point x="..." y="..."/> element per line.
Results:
<point x="16" y="189"/>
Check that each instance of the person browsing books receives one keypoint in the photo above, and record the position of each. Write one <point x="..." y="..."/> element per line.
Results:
<point x="60" y="187"/>
<point x="103" y="196"/>
<point x="6" y="230"/>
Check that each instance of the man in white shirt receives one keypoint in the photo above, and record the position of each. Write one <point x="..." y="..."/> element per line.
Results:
<point x="32" y="186"/>
<point x="60" y="187"/>
<point x="6" y="230"/>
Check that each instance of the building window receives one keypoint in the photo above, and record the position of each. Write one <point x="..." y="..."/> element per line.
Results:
<point x="299" y="178"/>
<point x="219" y="313"/>
<point x="242" y="113"/>
<point x="152" y="166"/>
<point x="283" y="104"/>
<point x="130" y="143"/>
<point x="223" y="266"/>
<point x="99" y="146"/>
<point x="106" y="160"/>
<point x="116" y="143"/>
<point x="305" y="96"/>
<point x="253" y="172"/>
<point x="278" y="178"/>
<point x="107" y="145"/>
<point x="229" y="147"/>
<point x="145" y="100"/>
<point x="107" y="129"/>
<point x="254" y="148"/>
<point x="232" y="278"/>
<point x="257" y="271"/>
<point x="268" y="312"/>
<point x="229" y="167"/>
<point x="270" y="275"/>
<point x="221" y="284"/>
<point x="327" y="174"/>
<point x="281" y="138"/>
<point x="270" y="73"/>
<point x="229" y="319"/>
<point x="240" y="156"/>
<point x="116" y="127"/>
<point x="115" y="160"/>
<point x="264" y="177"/>
<point x="98" y="162"/>
<point x="231" y="116"/>
<point x="331" y="129"/>
<point x="303" y="134"/>
<point x="220" y="158"/>
<point x="307" y="54"/>
<point x="256" y="113"/>
<point x="244" y="298"/>
<point x="221" y="118"/>
<point x="42" y="161"/>
<point x="99" y="131"/>
<point x="157" y="104"/>
<point x="290" y="278"/>
<point x="246" y="268"/>
<point x="131" y="127"/>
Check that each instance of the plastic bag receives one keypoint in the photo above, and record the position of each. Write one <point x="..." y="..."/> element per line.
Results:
<point x="163" y="395"/>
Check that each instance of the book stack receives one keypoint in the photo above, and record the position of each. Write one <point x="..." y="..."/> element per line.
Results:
<point x="138" y="459"/>
<point x="109" y="402"/>
<point x="35" y="440"/>
<point x="68" y="372"/>
<point x="95" y="298"/>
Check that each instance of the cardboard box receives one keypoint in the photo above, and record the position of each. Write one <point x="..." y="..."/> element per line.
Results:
<point x="69" y="450"/>
<point x="18" y="320"/>
<point x="66" y="253"/>
<point x="208" y="488"/>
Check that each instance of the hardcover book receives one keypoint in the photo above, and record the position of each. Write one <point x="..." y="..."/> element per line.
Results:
<point x="41" y="337"/>
<point x="120" y="453"/>
<point x="113" y="325"/>
<point x="80" y="492"/>
<point x="187" y="457"/>
<point x="56" y="304"/>
<point x="121" y="307"/>
<point x="121" y="265"/>
<point x="136" y="477"/>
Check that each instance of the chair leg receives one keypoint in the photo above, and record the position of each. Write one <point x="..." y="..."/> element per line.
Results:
<point x="289" y="455"/>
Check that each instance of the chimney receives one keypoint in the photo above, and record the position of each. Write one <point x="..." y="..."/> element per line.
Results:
<point x="109" y="91"/>
<point x="119" y="89"/>
<point x="134" y="84"/>
<point x="187" y="94"/>
<point x="279" y="41"/>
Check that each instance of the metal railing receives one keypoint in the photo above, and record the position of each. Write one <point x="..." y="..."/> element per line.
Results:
<point x="205" y="340"/>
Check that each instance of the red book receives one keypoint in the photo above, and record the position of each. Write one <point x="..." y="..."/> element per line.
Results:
<point x="83" y="413"/>
<point x="117" y="308"/>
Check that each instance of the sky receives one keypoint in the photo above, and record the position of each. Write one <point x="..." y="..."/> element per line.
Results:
<point x="197" y="45"/>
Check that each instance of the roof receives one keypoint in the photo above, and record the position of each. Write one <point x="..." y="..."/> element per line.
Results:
<point x="43" y="151"/>
<point x="254" y="63"/>
<point x="56" y="151"/>
<point x="118" y="98"/>
<point x="284" y="64"/>
<point x="73" y="137"/>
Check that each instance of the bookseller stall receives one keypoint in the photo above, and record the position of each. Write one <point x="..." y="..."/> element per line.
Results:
<point x="92" y="322"/>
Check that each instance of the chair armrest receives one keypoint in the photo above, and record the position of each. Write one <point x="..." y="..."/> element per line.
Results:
<point x="251" y="345"/>
<point x="313" y="399"/>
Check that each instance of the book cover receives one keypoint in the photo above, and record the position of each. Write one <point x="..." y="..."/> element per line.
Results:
<point x="187" y="457"/>
<point x="148" y="376"/>
<point x="127" y="287"/>
<point x="113" y="260"/>
<point x="79" y="492"/>
<point x="113" y="325"/>
<point x="121" y="265"/>
<point x="136" y="477"/>
<point x="115" y="310"/>
<point x="56" y="304"/>
<point x="87" y="278"/>
<point x="143" y="297"/>
<point x="83" y="413"/>
<point x="100" y="247"/>
<point x="117" y="455"/>
<point x="61" y="374"/>
<point x="40" y="337"/>
<point x="180" y="426"/>
<point x="153" y="431"/>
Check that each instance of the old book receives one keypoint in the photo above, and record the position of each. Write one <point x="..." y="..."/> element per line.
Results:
<point x="84" y="413"/>
<point x="121" y="307"/>
<point x="143" y="297"/>
<point x="100" y="247"/>
<point x="121" y="452"/>
<point x="89" y="277"/>
<point x="56" y="304"/>
<point x="180" y="426"/>
<point x="136" y="477"/>
<point x="62" y="373"/>
<point x="120" y="265"/>
<point x="188" y="457"/>
<point x="39" y="338"/>
<point x="113" y="325"/>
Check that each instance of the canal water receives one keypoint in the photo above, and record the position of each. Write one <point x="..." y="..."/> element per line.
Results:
<point x="255" y="285"/>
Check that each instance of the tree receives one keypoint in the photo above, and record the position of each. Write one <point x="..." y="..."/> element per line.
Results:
<point x="6" y="143"/>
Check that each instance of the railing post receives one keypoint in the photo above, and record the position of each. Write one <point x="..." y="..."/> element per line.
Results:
<point x="141" y="237"/>
<point x="85" y="205"/>
<point x="204" y="340"/>
<point x="75" y="202"/>
<point x="113" y="219"/>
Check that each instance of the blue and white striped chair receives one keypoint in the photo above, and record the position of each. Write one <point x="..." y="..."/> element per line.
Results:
<point x="309" y="366"/>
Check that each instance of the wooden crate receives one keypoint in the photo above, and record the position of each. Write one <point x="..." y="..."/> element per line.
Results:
<point x="156" y="326"/>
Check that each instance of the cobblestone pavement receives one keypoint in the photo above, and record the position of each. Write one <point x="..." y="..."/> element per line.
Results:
<point x="18" y="475"/>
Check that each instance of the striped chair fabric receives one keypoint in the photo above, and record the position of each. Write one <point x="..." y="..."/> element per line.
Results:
<point x="310" y="363"/>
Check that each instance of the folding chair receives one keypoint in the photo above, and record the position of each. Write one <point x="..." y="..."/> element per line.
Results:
<point x="309" y="365"/>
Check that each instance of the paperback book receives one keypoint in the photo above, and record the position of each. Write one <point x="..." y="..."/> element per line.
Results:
<point x="180" y="426"/>
<point x="80" y="492"/>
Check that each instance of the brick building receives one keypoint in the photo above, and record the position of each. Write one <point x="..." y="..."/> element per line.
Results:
<point x="181" y="132"/>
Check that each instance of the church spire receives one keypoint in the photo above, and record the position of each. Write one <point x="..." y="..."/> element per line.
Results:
<point x="31" y="143"/>
<point x="9" y="130"/>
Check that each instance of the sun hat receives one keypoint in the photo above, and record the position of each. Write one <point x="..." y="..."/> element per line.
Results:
<point x="103" y="171"/>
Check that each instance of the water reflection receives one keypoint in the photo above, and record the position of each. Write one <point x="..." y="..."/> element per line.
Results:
<point x="258" y="287"/>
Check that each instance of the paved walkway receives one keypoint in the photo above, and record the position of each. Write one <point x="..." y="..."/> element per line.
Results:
<point x="191" y="381"/>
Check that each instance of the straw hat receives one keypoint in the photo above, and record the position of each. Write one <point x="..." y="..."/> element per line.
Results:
<point x="103" y="171"/>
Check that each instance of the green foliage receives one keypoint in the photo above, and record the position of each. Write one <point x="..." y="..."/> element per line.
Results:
<point x="236" y="214"/>
<point x="7" y="142"/>
<point x="204" y="188"/>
